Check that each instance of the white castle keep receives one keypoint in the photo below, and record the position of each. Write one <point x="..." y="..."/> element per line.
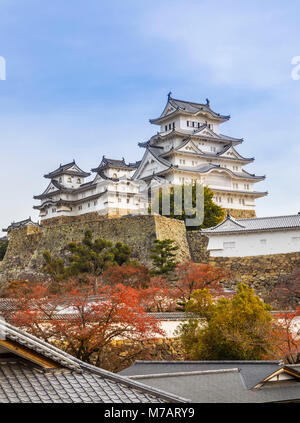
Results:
<point x="188" y="147"/>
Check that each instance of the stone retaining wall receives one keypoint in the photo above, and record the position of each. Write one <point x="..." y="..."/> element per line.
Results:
<point x="24" y="257"/>
<point x="198" y="246"/>
<point x="260" y="272"/>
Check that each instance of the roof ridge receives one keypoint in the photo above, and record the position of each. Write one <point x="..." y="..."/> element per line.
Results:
<point x="189" y="102"/>
<point x="74" y="363"/>
<point x="201" y="372"/>
<point x="269" y="217"/>
<point x="13" y="332"/>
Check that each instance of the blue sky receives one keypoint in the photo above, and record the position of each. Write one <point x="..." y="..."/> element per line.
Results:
<point x="84" y="77"/>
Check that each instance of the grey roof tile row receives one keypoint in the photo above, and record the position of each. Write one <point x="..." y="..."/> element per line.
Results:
<point x="255" y="224"/>
<point x="217" y="381"/>
<point x="73" y="381"/>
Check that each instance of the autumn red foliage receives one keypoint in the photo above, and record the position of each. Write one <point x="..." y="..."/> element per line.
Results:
<point x="135" y="276"/>
<point x="285" y="295"/>
<point x="159" y="296"/>
<point x="287" y="330"/>
<point x="193" y="276"/>
<point x="84" y="320"/>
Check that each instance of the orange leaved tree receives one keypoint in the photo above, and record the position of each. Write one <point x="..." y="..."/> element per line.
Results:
<point x="288" y="335"/>
<point x="135" y="276"/>
<point x="193" y="276"/>
<point x="83" y="320"/>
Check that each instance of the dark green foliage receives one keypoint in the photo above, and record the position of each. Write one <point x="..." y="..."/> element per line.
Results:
<point x="55" y="267"/>
<point x="163" y="257"/>
<point x="229" y="329"/>
<point x="3" y="248"/>
<point x="88" y="257"/>
<point x="213" y="214"/>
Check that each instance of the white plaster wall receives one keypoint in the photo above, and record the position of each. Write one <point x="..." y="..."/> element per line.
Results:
<point x="254" y="244"/>
<point x="108" y="200"/>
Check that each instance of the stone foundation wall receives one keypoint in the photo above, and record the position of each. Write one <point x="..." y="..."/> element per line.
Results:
<point x="24" y="260"/>
<point x="24" y="257"/>
<point x="260" y="272"/>
<point x="198" y="246"/>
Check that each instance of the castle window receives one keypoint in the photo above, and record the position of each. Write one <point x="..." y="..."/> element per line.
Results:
<point x="69" y="179"/>
<point x="89" y="204"/>
<point x="53" y="210"/>
<point x="246" y="186"/>
<point x="166" y="128"/>
<point x="187" y="123"/>
<point x="79" y="207"/>
<point x="170" y="126"/>
<point x="128" y="200"/>
<point x="173" y="125"/>
<point x="115" y="176"/>
<point x="60" y="180"/>
<point x="78" y="181"/>
<point x="95" y="203"/>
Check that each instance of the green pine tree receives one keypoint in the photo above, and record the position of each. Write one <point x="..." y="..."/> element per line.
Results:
<point x="163" y="256"/>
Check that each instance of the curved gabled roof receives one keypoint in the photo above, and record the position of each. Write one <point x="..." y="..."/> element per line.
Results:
<point x="202" y="153"/>
<point x="59" y="188"/>
<point x="174" y="106"/>
<point x="66" y="169"/>
<point x="198" y="136"/>
<point x="16" y="225"/>
<point x="153" y="152"/>
<point x="240" y="157"/>
<point x="114" y="163"/>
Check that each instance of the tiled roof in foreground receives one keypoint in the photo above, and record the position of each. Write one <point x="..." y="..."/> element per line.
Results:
<point x="222" y="381"/>
<point x="68" y="380"/>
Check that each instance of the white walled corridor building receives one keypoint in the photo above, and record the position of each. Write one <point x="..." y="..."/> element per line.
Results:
<point x="254" y="237"/>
